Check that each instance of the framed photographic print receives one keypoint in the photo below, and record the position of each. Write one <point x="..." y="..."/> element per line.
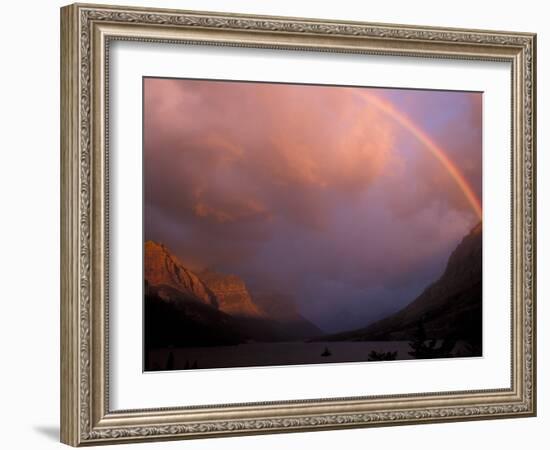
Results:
<point x="274" y="224"/>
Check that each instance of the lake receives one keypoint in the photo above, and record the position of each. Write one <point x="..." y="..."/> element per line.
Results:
<point x="271" y="354"/>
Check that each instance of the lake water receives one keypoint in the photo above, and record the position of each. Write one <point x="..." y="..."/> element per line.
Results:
<point x="271" y="354"/>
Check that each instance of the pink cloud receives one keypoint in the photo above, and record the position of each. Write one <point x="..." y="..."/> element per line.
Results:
<point x="307" y="184"/>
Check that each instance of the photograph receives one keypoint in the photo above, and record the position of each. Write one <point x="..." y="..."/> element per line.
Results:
<point x="292" y="224"/>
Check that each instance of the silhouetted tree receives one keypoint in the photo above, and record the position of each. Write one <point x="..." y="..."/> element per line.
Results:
<point x="474" y="348"/>
<point x="170" y="361"/>
<point x="470" y="348"/>
<point x="423" y="348"/>
<point x="382" y="356"/>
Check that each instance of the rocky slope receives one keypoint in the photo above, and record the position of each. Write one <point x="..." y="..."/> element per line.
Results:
<point x="232" y="294"/>
<point x="163" y="270"/>
<point x="450" y="308"/>
<point x="183" y="308"/>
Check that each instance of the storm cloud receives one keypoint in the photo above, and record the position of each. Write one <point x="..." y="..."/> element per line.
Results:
<point x="310" y="189"/>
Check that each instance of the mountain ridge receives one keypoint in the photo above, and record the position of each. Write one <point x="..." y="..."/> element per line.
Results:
<point x="162" y="268"/>
<point x="182" y="305"/>
<point x="232" y="294"/>
<point x="448" y="308"/>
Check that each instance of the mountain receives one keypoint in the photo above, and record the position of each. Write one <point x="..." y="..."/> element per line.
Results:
<point x="228" y="293"/>
<point x="232" y="294"/>
<point x="184" y="308"/>
<point x="162" y="269"/>
<point x="449" y="308"/>
<point x="173" y="319"/>
<point x="282" y="308"/>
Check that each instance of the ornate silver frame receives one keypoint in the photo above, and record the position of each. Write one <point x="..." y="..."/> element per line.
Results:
<point x="86" y="31"/>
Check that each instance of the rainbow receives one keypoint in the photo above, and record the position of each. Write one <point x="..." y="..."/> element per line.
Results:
<point x="387" y="108"/>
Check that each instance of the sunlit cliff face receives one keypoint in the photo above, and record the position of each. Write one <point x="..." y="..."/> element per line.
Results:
<point x="311" y="189"/>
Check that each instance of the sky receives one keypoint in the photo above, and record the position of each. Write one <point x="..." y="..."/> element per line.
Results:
<point x="349" y="200"/>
